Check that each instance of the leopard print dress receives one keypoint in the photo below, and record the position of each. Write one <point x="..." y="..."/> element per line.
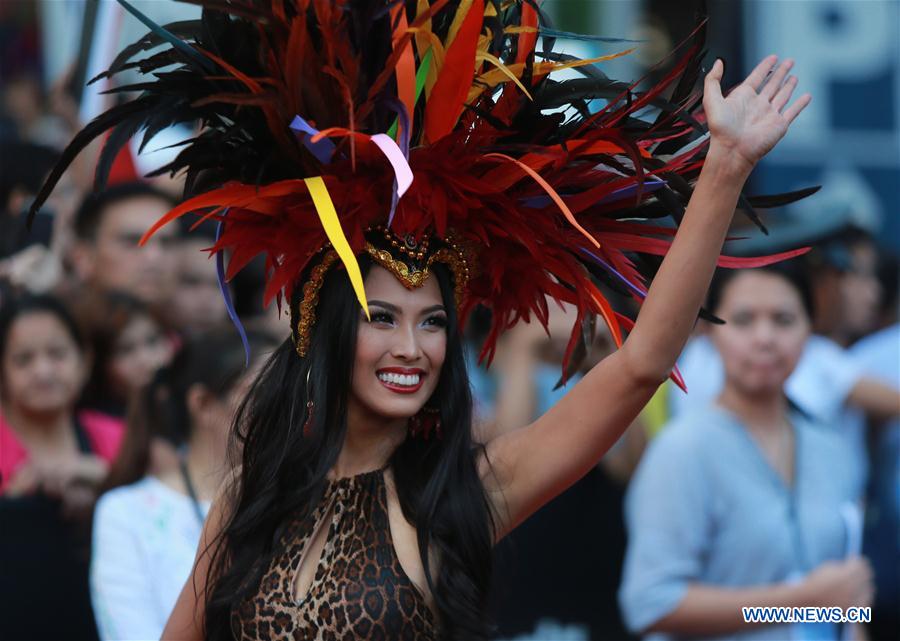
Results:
<point x="359" y="591"/>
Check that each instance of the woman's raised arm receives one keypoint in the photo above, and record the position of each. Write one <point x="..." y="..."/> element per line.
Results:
<point x="526" y="468"/>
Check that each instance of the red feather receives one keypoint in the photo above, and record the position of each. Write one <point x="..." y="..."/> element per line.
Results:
<point x="452" y="86"/>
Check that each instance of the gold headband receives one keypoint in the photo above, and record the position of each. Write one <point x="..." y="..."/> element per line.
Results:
<point x="411" y="276"/>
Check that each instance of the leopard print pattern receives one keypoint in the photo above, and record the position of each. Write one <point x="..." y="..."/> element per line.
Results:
<point x="359" y="592"/>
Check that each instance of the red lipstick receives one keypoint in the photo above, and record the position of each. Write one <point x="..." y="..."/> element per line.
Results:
<point x="405" y="371"/>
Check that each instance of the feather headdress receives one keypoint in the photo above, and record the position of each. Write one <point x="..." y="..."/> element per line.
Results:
<point x="323" y="119"/>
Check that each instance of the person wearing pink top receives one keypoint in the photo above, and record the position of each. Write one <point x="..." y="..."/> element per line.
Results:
<point x="53" y="459"/>
<point x="45" y="444"/>
<point x="103" y="433"/>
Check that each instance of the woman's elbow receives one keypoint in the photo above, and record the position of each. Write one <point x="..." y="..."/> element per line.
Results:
<point x="641" y="627"/>
<point x="663" y="625"/>
<point x="643" y="369"/>
<point x="646" y="610"/>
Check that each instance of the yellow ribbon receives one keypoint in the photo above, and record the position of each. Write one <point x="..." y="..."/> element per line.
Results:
<point x="329" y="218"/>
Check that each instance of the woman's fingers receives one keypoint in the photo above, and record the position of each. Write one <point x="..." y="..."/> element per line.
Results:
<point x="784" y="93"/>
<point x="25" y="481"/>
<point x="758" y="76"/>
<point x="774" y="82"/>
<point x="713" y="80"/>
<point x="775" y="88"/>
<point x="799" y="105"/>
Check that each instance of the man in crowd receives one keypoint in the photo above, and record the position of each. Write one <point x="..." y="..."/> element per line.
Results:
<point x="108" y="227"/>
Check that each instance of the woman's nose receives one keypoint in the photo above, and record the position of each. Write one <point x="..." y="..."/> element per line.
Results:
<point x="148" y="359"/>
<point x="406" y="343"/>
<point x="44" y="367"/>
<point x="764" y="333"/>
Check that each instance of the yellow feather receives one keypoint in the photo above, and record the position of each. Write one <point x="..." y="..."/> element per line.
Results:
<point x="421" y="40"/>
<point x="520" y="29"/>
<point x="503" y="73"/>
<point x="461" y="13"/>
<point x="429" y="38"/>
<point x="503" y="69"/>
<point x="425" y="38"/>
<point x="546" y="67"/>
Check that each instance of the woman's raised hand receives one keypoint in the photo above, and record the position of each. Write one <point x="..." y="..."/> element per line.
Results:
<point x="750" y="121"/>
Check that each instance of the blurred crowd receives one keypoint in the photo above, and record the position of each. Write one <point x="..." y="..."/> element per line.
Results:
<point x="119" y="372"/>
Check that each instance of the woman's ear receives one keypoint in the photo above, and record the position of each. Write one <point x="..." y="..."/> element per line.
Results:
<point x="703" y="327"/>
<point x="197" y="400"/>
<point x="82" y="258"/>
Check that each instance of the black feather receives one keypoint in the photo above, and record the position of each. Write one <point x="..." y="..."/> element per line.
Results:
<point x="82" y="139"/>
<point x="779" y="200"/>
<point x="748" y="210"/>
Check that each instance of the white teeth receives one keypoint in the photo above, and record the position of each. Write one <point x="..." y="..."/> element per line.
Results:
<point x="408" y="380"/>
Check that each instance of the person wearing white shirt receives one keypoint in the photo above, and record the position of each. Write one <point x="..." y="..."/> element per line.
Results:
<point x="826" y="380"/>
<point x="747" y="501"/>
<point x="146" y="533"/>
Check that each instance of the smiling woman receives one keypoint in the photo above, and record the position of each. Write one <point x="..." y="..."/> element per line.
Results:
<point x="403" y="346"/>
<point x="355" y="478"/>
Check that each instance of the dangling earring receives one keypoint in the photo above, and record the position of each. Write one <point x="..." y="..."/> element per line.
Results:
<point x="308" y="423"/>
<point x="425" y="423"/>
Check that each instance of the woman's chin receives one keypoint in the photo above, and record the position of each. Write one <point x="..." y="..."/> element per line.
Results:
<point x="393" y="409"/>
<point x="395" y="412"/>
<point x="48" y="405"/>
<point x="769" y="386"/>
<point x="399" y="404"/>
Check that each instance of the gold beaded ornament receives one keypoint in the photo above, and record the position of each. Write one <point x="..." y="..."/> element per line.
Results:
<point x="406" y="258"/>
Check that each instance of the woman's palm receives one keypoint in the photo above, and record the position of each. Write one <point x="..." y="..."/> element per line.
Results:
<point x="752" y="118"/>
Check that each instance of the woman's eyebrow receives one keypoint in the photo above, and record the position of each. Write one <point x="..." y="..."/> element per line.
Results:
<point x="393" y="308"/>
<point x="387" y="306"/>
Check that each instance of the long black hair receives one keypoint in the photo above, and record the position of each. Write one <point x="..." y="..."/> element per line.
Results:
<point x="283" y="471"/>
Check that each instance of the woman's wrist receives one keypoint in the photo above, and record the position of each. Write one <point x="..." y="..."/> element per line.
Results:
<point x="796" y="595"/>
<point x="726" y="162"/>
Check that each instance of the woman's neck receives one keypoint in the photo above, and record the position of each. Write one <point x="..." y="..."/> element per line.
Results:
<point x="765" y="417"/>
<point x="369" y="444"/>
<point x="39" y="430"/>
<point x="760" y="412"/>
<point x="206" y="462"/>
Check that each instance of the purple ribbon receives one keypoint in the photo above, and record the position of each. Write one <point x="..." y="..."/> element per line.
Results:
<point x="226" y="294"/>
<point x="597" y="259"/>
<point x="322" y="150"/>
<point x="650" y="185"/>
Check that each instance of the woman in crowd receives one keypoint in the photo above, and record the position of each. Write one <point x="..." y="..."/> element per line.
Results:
<point x="146" y="530"/>
<point x="748" y="501"/>
<point x="48" y="444"/>
<point x="130" y="343"/>
<point x="53" y="457"/>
